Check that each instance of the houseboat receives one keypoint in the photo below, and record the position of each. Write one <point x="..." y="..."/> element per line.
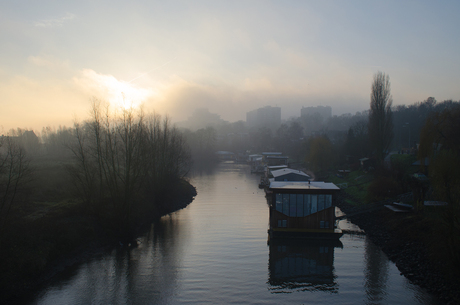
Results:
<point x="289" y="174"/>
<point x="303" y="209"/>
<point x="275" y="158"/>
<point x="256" y="163"/>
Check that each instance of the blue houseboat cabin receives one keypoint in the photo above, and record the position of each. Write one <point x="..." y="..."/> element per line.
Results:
<point x="303" y="209"/>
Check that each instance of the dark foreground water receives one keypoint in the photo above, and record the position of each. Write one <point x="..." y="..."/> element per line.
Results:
<point x="215" y="252"/>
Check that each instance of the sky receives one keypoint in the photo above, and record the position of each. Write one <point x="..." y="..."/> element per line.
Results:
<point x="231" y="57"/>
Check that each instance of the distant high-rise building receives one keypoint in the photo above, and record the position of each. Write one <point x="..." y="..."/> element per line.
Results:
<point x="264" y="117"/>
<point x="324" y="111"/>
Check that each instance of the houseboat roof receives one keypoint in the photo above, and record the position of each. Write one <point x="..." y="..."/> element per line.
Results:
<point x="277" y="157"/>
<point x="221" y="152"/>
<point x="275" y="167"/>
<point x="285" y="171"/>
<point x="302" y="185"/>
<point x="274" y="153"/>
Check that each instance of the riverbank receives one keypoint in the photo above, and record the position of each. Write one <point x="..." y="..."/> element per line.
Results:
<point x="44" y="240"/>
<point x="413" y="244"/>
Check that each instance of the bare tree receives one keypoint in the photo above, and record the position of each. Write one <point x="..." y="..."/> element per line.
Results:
<point x="15" y="172"/>
<point x="123" y="159"/>
<point x="380" y="116"/>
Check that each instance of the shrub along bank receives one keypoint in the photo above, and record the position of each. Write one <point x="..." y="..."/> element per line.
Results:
<point x="416" y="242"/>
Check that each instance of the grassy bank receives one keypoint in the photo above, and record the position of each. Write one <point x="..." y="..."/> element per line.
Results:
<point x="355" y="185"/>
<point x="38" y="234"/>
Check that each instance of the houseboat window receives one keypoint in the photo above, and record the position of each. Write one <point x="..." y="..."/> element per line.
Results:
<point x="321" y="224"/>
<point x="314" y="203"/>
<point x="320" y="202"/>
<point x="292" y="205"/>
<point x="282" y="223"/>
<point x="286" y="204"/>
<point x="328" y="201"/>
<point x="306" y="205"/>
<point x="300" y="205"/>
<point x="281" y="249"/>
<point x="326" y="224"/>
<point x="279" y="203"/>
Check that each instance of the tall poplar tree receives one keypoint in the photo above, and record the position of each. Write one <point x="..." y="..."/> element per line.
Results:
<point x="380" y="116"/>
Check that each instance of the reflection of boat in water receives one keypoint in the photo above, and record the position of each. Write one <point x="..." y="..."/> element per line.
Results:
<point x="306" y="265"/>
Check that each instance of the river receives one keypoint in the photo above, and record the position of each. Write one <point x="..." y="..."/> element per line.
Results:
<point x="215" y="251"/>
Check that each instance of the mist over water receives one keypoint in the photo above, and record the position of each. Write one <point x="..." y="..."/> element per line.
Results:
<point x="215" y="252"/>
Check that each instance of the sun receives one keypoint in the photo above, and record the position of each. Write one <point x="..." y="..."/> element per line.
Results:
<point x="125" y="95"/>
<point x="120" y="94"/>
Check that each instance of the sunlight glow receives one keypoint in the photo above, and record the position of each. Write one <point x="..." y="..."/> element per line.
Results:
<point x="119" y="93"/>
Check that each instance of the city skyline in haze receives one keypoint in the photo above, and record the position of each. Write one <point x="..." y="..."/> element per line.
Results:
<point x="228" y="57"/>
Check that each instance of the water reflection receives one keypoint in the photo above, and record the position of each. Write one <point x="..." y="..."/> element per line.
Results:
<point x="302" y="265"/>
<point x="375" y="273"/>
<point x="202" y="169"/>
<point x="215" y="252"/>
<point x="147" y="273"/>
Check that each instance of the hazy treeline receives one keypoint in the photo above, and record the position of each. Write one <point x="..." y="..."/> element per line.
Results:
<point x="202" y="145"/>
<point x="348" y="135"/>
<point x="409" y="120"/>
<point x="143" y="143"/>
<point x="293" y="135"/>
<point x="353" y="142"/>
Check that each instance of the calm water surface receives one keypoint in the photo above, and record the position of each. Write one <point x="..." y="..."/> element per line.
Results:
<point x="215" y="252"/>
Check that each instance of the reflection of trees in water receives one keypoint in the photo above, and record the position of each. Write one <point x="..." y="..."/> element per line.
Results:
<point x="376" y="273"/>
<point x="302" y="266"/>
<point x="153" y="265"/>
<point x="209" y="168"/>
<point x="146" y="274"/>
<point x="202" y="169"/>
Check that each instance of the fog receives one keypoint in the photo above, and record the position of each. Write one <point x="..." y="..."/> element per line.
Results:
<point x="230" y="58"/>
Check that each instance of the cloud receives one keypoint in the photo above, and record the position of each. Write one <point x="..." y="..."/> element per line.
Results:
<point x="47" y="23"/>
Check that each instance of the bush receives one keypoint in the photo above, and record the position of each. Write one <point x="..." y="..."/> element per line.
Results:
<point x="382" y="188"/>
